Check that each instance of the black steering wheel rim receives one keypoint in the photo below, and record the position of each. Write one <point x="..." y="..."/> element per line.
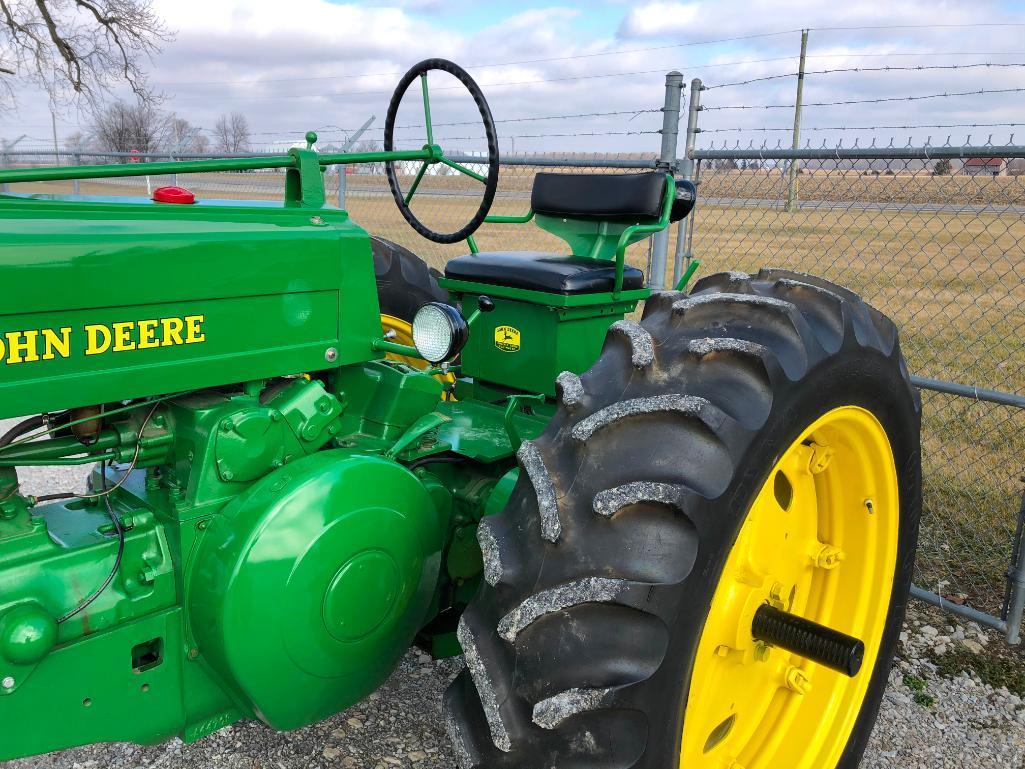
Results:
<point x="491" y="181"/>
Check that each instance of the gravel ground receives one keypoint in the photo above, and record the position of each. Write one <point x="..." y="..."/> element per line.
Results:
<point x="938" y="713"/>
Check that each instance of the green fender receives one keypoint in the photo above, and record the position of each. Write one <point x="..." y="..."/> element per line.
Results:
<point x="312" y="585"/>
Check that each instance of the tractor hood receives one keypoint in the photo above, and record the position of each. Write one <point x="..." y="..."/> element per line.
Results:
<point x="106" y="299"/>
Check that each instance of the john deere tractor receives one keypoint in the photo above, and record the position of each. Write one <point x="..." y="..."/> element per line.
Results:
<point x="679" y="537"/>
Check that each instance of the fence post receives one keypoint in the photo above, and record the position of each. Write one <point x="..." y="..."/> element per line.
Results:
<point x="341" y="184"/>
<point x="792" y="183"/>
<point x="76" y="187"/>
<point x="1014" y="602"/>
<point x="666" y="162"/>
<point x="683" y="253"/>
<point x="5" y="161"/>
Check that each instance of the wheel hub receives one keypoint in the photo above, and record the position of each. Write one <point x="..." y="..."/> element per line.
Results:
<point x="811" y="549"/>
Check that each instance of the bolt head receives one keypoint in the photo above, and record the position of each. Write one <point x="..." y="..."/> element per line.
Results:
<point x="7" y="682"/>
<point x="331" y="354"/>
<point x="762" y="652"/>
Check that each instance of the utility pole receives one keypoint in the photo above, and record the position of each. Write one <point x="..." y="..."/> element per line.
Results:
<point x="56" y="151"/>
<point x="792" y="185"/>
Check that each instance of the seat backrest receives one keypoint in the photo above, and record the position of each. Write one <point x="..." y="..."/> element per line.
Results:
<point x="609" y="197"/>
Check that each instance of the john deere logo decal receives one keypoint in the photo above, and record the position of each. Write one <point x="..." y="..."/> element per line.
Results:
<point x="507" y="339"/>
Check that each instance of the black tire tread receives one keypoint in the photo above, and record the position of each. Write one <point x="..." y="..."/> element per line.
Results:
<point x="782" y="326"/>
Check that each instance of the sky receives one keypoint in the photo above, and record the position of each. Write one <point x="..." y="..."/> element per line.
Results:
<point x="330" y="66"/>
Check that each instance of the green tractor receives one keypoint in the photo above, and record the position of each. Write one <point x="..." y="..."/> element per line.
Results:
<point x="679" y="541"/>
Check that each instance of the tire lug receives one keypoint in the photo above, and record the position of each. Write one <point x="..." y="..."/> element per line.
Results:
<point x="797" y="680"/>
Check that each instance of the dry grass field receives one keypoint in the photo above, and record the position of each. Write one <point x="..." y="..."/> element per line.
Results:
<point x="953" y="281"/>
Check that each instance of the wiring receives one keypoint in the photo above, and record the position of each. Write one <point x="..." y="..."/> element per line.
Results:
<point x="119" y="529"/>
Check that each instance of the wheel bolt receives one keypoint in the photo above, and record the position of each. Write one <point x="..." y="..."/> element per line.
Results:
<point x="761" y="652"/>
<point x="821" y="456"/>
<point x="797" y="680"/>
<point x="829" y="557"/>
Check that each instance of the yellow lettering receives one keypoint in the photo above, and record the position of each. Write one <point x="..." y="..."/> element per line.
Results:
<point x="22" y="350"/>
<point x="172" y="331"/>
<point x="94" y="334"/>
<point x="54" y="345"/>
<point x="123" y="336"/>
<point x="193" y="332"/>
<point x="147" y="334"/>
<point x="3" y="349"/>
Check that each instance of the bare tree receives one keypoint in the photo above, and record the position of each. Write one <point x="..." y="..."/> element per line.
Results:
<point x="183" y="137"/>
<point x="122" y="127"/>
<point x="77" y="47"/>
<point x="231" y="132"/>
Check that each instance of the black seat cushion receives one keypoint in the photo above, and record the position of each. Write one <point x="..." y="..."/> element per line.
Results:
<point x="541" y="272"/>
<point x="611" y="197"/>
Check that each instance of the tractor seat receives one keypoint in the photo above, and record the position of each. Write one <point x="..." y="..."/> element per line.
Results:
<point x="540" y="271"/>
<point x="621" y="198"/>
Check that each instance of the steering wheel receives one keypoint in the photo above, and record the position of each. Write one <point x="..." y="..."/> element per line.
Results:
<point x="436" y="155"/>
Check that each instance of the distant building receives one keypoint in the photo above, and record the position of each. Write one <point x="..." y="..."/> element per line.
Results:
<point x="985" y="167"/>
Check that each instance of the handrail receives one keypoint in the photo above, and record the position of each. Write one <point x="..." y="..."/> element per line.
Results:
<point x="638" y="229"/>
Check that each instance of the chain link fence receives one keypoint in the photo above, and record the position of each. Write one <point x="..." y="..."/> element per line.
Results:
<point x="943" y="254"/>
<point x="934" y="239"/>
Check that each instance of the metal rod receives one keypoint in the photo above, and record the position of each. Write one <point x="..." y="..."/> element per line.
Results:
<point x="687" y="172"/>
<point x="200" y="166"/>
<point x="969" y="391"/>
<point x="795" y="164"/>
<point x="666" y="161"/>
<point x="427" y="109"/>
<point x="986" y="620"/>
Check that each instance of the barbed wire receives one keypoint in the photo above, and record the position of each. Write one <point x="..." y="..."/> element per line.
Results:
<point x="790" y="129"/>
<point x="538" y="136"/>
<point x="879" y="100"/>
<point x="927" y="144"/>
<point x="914" y="68"/>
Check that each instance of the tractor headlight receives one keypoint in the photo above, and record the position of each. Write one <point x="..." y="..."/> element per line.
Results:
<point x="439" y="332"/>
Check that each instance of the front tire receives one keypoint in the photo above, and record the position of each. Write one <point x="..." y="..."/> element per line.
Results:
<point x="648" y="521"/>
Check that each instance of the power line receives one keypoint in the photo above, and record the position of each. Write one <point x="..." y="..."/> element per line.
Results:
<point x="846" y="102"/>
<point x="920" y="26"/>
<point x="911" y="68"/>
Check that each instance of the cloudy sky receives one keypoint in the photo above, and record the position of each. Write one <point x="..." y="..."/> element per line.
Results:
<point x="331" y="65"/>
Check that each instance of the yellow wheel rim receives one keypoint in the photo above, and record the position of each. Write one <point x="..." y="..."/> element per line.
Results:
<point x="820" y="540"/>
<point x="403" y="334"/>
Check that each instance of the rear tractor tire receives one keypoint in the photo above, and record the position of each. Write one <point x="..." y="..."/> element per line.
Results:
<point x="404" y="284"/>
<point x="756" y="442"/>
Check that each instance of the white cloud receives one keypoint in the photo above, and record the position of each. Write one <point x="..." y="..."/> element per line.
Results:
<point x="660" y="19"/>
